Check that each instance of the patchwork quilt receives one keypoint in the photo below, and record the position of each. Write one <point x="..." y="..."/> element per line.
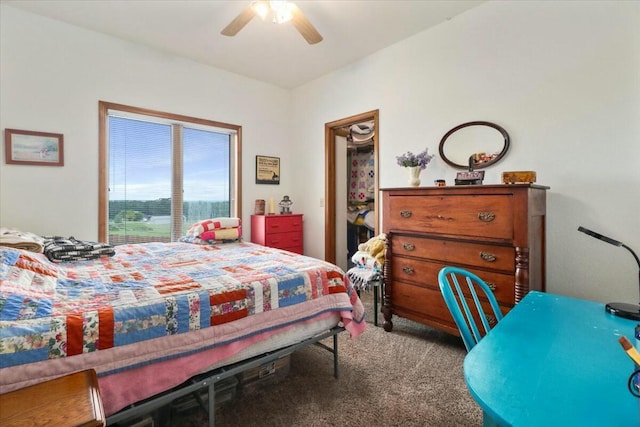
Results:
<point x="361" y="177"/>
<point x="145" y="291"/>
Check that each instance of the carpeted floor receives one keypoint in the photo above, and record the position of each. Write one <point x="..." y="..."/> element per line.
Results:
<point x="409" y="377"/>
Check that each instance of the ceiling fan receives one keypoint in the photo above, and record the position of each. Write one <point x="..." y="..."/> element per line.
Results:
<point x="281" y="11"/>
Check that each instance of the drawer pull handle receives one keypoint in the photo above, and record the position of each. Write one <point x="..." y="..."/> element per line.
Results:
<point x="486" y="216"/>
<point x="408" y="246"/>
<point x="486" y="256"/>
<point x="492" y="286"/>
<point x="405" y="214"/>
<point x="408" y="270"/>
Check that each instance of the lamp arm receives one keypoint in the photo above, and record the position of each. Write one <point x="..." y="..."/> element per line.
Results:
<point x="614" y="243"/>
<point x="632" y="253"/>
<point x="637" y="260"/>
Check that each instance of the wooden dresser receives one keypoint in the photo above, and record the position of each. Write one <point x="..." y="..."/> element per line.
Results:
<point x="494" y="231"/>
<point x="278" y="231"/>
<point x="69" y="401"/>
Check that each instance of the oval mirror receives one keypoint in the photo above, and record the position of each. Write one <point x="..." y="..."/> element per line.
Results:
<point x="474" y="145"/>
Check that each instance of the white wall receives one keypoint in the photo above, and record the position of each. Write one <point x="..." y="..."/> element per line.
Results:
<point x="563" y="78"/>
<point x="52" y="76"/>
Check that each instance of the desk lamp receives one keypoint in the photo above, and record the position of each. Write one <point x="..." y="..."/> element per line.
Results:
<point x="628" y="311"/>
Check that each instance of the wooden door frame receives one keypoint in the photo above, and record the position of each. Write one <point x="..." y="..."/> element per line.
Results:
<point x="330" y="131"/>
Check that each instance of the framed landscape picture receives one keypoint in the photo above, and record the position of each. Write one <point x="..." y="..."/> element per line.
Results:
<point x="267" y="170"/>
<point x="23" y="147"/>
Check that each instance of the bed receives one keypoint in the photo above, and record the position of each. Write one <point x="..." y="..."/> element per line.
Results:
<point x="157" y="314"/>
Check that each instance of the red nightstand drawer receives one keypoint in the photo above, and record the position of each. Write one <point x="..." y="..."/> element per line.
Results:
<point x="295" y="249"/>
<point x="276" y="224"/>
<point x="284" y="240"/>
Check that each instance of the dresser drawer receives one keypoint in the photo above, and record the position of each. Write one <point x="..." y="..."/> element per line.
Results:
<point x="427" y="306"/>
<point x="455" y="215"/>
<point x="425" y="274"/>
<point x="420" y="302"/>
<point x="284" y="240"/>
<point x="286" y="224"/>
<point x="452" y="252"/>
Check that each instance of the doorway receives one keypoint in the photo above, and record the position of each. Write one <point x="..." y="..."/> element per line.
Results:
<point x="336" y="133"/>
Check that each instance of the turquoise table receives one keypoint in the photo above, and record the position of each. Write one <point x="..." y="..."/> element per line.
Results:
<point x="554" y="361"/>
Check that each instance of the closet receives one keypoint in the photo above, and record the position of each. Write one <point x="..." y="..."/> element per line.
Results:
<point x="351" y="191"/>
<point x="358" y="182"/>
<point x="360" y="196"/>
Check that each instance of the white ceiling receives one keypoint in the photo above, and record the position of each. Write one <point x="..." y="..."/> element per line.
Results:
<point x="263" y="51"/>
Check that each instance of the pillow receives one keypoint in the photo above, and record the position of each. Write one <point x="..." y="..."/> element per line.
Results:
<point x="224" y="234"/>
<point x="199" y="241"/>
<point x="197" y="228"/>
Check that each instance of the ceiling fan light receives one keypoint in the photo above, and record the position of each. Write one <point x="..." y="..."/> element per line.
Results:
<point x="261" y="8"/>
<point x="282" y="11"/>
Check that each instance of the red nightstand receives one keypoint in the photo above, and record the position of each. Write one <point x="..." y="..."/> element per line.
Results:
<point x="278" y="231"/>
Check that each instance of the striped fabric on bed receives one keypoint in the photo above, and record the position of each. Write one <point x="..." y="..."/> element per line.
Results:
<point x="61" y="249"/>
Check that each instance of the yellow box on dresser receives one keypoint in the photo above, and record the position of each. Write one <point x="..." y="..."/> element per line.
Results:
<point x="495" y="231"/>
<point x="519" y="177"/>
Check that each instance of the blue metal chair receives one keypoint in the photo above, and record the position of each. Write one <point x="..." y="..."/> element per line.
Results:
<point x="459" y="288"/>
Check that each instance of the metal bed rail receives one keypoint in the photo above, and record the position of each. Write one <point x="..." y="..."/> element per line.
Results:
<point x="209" y="379"/>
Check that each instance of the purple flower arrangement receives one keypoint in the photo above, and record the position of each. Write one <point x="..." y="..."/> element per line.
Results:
<point x="409" y="159"/>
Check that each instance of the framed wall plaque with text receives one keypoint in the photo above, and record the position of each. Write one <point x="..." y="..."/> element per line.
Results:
<point x="267" y="170"/>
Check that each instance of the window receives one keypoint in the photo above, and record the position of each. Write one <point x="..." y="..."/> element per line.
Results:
<point x="161" y="172"/>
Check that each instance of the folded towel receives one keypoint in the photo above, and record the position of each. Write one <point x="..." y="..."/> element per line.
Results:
<point x="21" y="240"/>
<point x="361" y="278"/>
<point x="363" y="259"/>
<point x="196" y="229"/>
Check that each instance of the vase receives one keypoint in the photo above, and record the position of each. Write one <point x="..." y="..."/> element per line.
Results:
<point x="414" y="175"/>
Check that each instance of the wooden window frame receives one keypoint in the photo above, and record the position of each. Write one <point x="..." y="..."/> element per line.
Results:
<point x="103" y="156"/>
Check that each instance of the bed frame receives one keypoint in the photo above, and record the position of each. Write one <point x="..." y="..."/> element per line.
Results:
<point x="209" y="379"/>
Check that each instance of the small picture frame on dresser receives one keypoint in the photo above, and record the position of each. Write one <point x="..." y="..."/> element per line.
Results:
<point x="469" y="178"/>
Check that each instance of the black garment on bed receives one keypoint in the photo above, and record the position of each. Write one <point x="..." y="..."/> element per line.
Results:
<point x="62" y="249"/>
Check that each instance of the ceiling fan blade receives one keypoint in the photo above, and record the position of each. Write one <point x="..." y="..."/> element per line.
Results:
<point x="304" y="27"/>
<point x="239" y="22"/>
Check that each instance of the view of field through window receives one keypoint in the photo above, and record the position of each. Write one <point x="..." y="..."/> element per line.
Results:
<point x="141" y="191"/>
